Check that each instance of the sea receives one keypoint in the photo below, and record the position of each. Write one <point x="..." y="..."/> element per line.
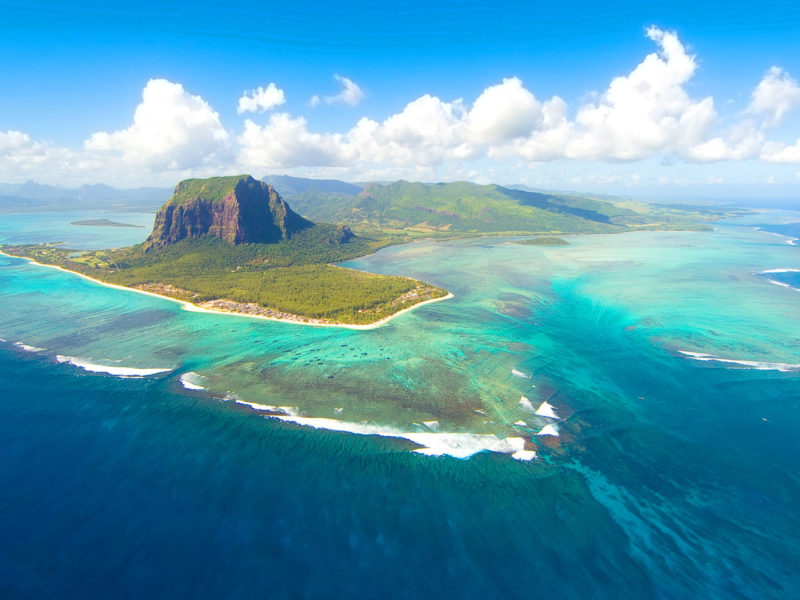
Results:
<point x="616" y="418"/>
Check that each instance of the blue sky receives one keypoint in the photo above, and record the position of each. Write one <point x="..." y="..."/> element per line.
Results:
<point x="622" y="98"/>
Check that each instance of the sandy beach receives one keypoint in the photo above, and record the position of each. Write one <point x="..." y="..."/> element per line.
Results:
<point x="188" y="306"/>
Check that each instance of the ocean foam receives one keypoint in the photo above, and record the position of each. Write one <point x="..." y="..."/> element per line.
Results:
<point x="526" y="404"/>
<point x="752" y="364"/>
<point x="790" y="240"/>
<point x="520" y="374"/>
<point x="284" y="410"/>
<point x="549" y="430"/>
<point x="458" y="445"/>
<point x="28" y="348"/>
<point x="191" y="381"/>
<point x="110" y="370"/>
<point x="524" y="454"/>
<point x="546" y="410"/>
<point x="521" y="423"/>
<point x="432" y="425"/>
<point x="780" y="283"/>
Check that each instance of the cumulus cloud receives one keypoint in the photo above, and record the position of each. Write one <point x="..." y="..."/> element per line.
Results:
<point x="504" y="112"/>
<point x="646" y="113"/>
<point x="776" y="152"/>
<point x="171" y="129"/>
<point x="774" y="96"/>
<point x="286" y="142"/>
<point x="647" y="110"/>
<point x="350" y="94"/>
<point x="261" y="99"/>
<point x="22" y="156"/>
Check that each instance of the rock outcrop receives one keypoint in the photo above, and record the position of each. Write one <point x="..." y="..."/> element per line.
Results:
<point x="238" y="209"/>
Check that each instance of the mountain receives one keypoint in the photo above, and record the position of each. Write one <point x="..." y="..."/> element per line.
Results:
<point x="299" y="185"/>
<point x="237" y="209"/>
<point x="36" y="197"/>
<point x="463" y="207"/>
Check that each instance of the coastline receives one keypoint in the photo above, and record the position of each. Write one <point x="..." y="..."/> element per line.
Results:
<point x="190" y="307"/>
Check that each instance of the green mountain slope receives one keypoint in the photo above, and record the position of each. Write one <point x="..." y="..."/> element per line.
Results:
<point x="466" y="208"/>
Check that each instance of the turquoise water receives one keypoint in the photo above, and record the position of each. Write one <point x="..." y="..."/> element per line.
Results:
<point x="673" y="475"/>
<point x="37" y="228"/>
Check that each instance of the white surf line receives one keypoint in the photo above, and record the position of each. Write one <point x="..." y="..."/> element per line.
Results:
<point x="285" y="410"/>
<point x="457" y="445"/>
<point x="28" y="348"/>
<point x="190" y="379"/>
<point x="753" y="364"/>
<point x="434" y="443"/>
<point x="189" y="307"/>
<point x="109" y="369"/>
<point x="780" y="283"/>
<point x="791" y="240"/>
<point x="546" y="410"/>
<point x="549" y="430"/>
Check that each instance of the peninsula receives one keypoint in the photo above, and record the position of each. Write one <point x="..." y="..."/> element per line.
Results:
<point x="233" y="244"/>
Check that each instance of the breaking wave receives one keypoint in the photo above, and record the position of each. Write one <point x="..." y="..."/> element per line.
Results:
<point x="117" y="371"/>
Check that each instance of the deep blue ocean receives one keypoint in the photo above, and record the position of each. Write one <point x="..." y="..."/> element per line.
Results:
<point x="675" y="475"/>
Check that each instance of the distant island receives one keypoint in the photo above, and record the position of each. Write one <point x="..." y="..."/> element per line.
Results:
<point x="102" y="223"/>
<point x="543" y="241"/>
<point x="233" y="244"/>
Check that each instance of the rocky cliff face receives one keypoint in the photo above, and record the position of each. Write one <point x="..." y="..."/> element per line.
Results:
<point x="240" y="210"/>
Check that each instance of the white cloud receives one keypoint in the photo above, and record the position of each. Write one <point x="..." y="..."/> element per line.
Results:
<point x="285" y="142"/>
<point x="350" y="94"/>
<point x="171" y="129"/>
<point x="774" y="96"/>
<point x="261" y="99"/>
<point x="776" y="152"/>
<point x="504" y="112"/>
<point x="645" y="114"/>
<point x="646" y="111"/>
<point x="23" y="157"/>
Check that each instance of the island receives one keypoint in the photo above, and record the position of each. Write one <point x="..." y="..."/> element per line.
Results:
<point x="543" y="241"/>
<point x="102" y="223"/>
<point x="234" y="245"/>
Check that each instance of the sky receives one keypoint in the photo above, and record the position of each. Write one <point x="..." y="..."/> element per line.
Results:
<point x="625" y="98"/>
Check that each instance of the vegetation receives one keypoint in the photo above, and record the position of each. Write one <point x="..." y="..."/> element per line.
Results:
<point x="212" y="189"/>
<point x="404" y="210"/>
<point x="102" y="223"/>
<point x="543" y="241"/>
<point x="287" y="277"/>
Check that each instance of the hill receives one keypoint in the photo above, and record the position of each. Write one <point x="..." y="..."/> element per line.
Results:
<point x="463" y="208"/>
<point x="300" y="185"/>
<point x="35" y="197"/>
